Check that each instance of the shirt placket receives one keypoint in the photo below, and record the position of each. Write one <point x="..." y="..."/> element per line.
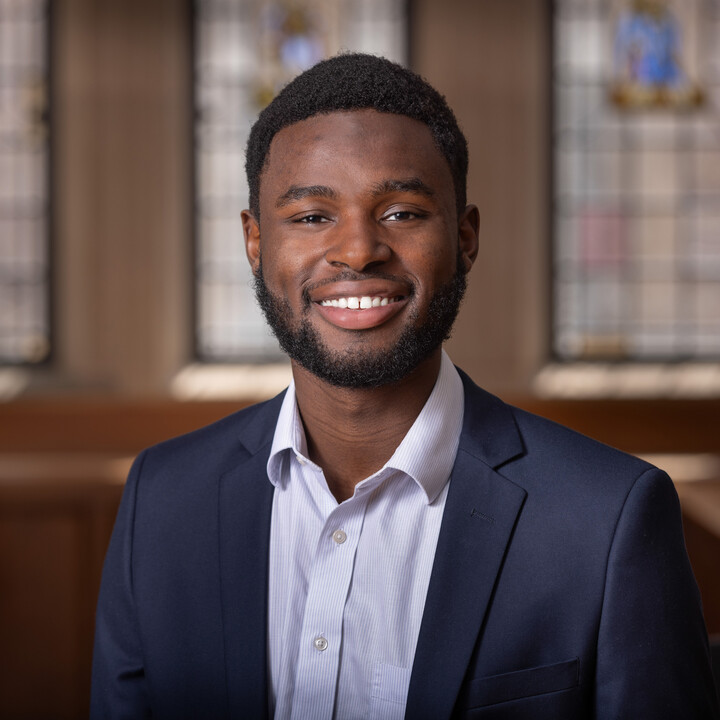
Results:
<point x="320" y="652"/>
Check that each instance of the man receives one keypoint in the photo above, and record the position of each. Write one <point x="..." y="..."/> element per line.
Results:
<point x="385" y="539"/>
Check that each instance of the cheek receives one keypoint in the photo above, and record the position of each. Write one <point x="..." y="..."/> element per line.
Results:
<point x="436" y="265"/>
<point x="286" y="272"/>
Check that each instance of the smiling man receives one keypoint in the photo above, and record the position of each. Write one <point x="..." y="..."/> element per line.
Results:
<point x="385" y="539"/>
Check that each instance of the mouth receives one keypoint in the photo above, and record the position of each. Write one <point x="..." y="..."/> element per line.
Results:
<point x="360" y="302"/>
<point x="360" y="305"/>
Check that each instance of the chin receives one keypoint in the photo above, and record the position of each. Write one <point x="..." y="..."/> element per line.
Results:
<point x="355" y="367"/>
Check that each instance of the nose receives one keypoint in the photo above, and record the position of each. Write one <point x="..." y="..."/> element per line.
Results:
<point x="358" y="244"/>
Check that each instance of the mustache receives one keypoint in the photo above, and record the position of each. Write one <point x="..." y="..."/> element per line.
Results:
<point x="352" y="275"/>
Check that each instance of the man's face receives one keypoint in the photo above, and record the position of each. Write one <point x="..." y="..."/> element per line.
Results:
<point x="363" y="259"/>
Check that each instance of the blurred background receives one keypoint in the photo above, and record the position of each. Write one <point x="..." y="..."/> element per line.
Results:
<point x="126" y="314"/>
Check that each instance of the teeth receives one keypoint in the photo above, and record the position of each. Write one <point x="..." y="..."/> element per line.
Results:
<point x="359" y="303"/>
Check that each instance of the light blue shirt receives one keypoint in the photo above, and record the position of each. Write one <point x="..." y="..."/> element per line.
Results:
<point x="348" y="581"/>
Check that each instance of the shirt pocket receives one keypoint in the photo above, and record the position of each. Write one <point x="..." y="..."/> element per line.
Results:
<point x="388" y="696"/>
<point x="523" y="684"/>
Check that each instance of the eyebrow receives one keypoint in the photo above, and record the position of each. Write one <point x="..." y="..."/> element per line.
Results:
<point x="410" y="185"/>
<point x="298" y="192"/>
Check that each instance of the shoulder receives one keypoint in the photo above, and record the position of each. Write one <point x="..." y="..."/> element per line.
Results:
<point x="576" y="489"/>
<point x="215" y="447"/>
<point x="549" y="442"/>
<point x="545" y="457"/>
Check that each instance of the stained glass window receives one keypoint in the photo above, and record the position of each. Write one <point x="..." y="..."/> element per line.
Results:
<point x="245" y="51"/>
<point x="636" y="243"/>
<point x="24" y="250"/>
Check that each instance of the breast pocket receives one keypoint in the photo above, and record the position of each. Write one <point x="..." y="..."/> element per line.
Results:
<point x="388" y="696"/>
<point x="523" y="684"/>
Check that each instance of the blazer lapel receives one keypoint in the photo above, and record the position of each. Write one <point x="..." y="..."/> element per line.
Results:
<point x="245" y="504"/>
<point x="480" y="513"/>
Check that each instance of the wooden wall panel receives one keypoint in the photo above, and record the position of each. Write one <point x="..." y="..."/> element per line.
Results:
<point x="54" y="529"/>
<point x="704" y="550"/>
<point x="100" y="425"/>
<point x="40" y="607"/>
<point x="108" y="425"/>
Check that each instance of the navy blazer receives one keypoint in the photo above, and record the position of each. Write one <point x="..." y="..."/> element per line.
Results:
<point x="560" y="589"/>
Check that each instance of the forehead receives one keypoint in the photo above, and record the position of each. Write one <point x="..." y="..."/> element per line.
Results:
<point x="359" y="141"/>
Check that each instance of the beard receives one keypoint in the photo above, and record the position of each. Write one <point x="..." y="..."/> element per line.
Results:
<point x="357" y="368"/>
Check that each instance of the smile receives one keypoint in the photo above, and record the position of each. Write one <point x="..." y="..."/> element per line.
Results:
<point x="364" y="302"/>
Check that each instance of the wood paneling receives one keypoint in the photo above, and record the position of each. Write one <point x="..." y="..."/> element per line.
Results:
<point x="638" y="426"/>
<point x="126" y="426"/>
<point x="704" y="550"/>
<point x="100" y="425"/>
<point x="56" y="515"/>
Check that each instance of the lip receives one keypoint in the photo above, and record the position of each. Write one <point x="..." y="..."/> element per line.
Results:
<point x="357" y="288"/>
<point x="349" y="319"/>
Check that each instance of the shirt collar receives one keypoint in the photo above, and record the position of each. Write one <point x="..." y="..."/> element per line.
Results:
<point x="426" y="453"/>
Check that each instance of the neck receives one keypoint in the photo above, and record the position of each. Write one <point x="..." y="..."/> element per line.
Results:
<point x="351" y="433"/>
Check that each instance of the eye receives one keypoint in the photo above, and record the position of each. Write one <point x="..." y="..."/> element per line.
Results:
<point x="402" y="215"/>
<point x="311" y="219"/>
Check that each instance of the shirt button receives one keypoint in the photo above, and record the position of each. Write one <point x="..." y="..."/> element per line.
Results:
<point x="339" y="537"/>
<point x="300" y="460"/>
<point x="320" y="643"/>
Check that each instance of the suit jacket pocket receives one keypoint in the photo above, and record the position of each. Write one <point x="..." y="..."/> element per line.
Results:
<point x="523" y="683"/>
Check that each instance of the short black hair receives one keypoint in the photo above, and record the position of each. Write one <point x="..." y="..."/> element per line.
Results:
<point x="357" y="81"/>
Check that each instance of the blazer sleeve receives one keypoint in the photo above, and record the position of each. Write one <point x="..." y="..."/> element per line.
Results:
<point x="653" y="657"/>
<point x="119" y="687"/>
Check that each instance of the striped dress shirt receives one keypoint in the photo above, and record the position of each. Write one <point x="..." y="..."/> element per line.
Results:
<point x="348" y="581"/>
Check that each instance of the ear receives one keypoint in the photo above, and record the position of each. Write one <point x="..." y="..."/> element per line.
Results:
<point x="251" y="231"/>
<point x="468" y="234"/>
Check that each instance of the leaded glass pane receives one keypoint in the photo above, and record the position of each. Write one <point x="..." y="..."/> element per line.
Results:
<point x="24" y="255"/>
<point x="637" y="180"/>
